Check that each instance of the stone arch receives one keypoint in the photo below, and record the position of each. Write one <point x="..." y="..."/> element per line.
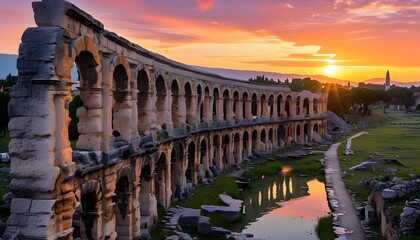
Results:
<point x="123" y="202"/>
<point x="159" y="186"/>
<point x="217" y="159"/>
<point x="279" y="105"/>
<point x="176" y="109"/>
<point x="226" y="148"/>
<point x="203" y="160"/>
<point x="160" y="89"/>
<point x="215" y="107"/>
<point x="316" y="128"/>
<point x="306" y="107"/>
<point x="91" y="210"/>
<point x="144" y="94"/>
<point x="191" y="173"/>
<point x="315" y="105"/>
<point x="121" y="110"/>
<point x="281" y="135"/>
<point x="188" y="102"/>
<point x="237" y="151"/>
<point x="245" y="144"/>
<point x="236" y="106"/>
<point x="254" y="139"/>
<point x="200" y="103"/>
<point x="254" y="107"/>
<point x="288" y="106"/>
<point x="306" y="133"/>
<point x="85" y="55"/>
<point x="298" y="133"/>
<point x="207" y="105"/>
<point x="226" y="104"/>
<point x="246" y="108"/>
<point x="263" y="136"/>
<point x="177" y="155"/>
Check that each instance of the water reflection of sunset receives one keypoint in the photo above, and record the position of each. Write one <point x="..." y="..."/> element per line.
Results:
<point x="291" y="203"/>
<point x="304" y="207"/>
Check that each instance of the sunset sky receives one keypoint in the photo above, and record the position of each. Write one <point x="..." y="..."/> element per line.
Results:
<point x="346" y="39"/>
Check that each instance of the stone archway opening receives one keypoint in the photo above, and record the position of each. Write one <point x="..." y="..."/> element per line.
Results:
<point x="315" y="107"/>
<point x="254" y="106"/>
<point x="245" y="107"/>
<point x="90" y="203"/>
<point x="200" y="104"/>
<point x="263" y="106"/>
<point x="237" y="149"/>
<point x="188" y="103"/>
<point x="121" y="114"/>
<point x="297" y="106"/>
<point x="123" y="207"/>
<point x="148" y="203"/>
<point x="215" y="107"/>
<point x="281" y="134"/>
<point x="90" y="93"/>
<point x="176" y="105"/>
<point x="245" y="143"/>
<point x="226" y="151"/>
<point x="143" y="94"/>
<point x="177" y="155"/>
<point x="279" y="103"/>
<point x="236" y="106"/>
<point x="203" y="165"/>
<point x="298" y="133"/>
<point x="288" y="106"/>
<point x="254" y="139"/>
<point x="190" y="174"/>
<point x="160" y="180"/>
<point x="160" y="101"/>
<point x="263" y="140"/>
<point x="270" y="139"/>
<point x="306" y="107"/>
<point x="306" y="133"/>
<point x="216" y="161"/>
<point x="226" y="102"/>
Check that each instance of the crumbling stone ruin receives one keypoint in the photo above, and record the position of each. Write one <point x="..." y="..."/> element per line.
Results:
<point x="149" y="128"/>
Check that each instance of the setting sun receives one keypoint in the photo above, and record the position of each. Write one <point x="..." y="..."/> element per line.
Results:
<point x="331" y="69"/>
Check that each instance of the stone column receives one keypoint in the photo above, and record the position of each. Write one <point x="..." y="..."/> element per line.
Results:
<point x="248" y="105"/>
<point x="219" y="109"/>
<point x="207" y="114"/>
<point x="275" y="112"/>
<point x="258" y="109"/>
<point x="41" y="162"/>
<point x="265" y="110"/>
<point x="229" y="109"/>
<point x="282" y="112"/>
<point x="239" y="111"/>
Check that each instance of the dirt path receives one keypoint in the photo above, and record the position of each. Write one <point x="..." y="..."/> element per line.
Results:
<point x="345" y="217"/>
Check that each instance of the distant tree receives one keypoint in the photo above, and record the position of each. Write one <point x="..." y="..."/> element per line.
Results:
<point x="264" y="79"/>
<point x="10" y="80"/>
<point x="341" y="100"/>
<point x="368" y="97"/>
<point x="404" y="95"/>
<point x="73" y="106"/>
<point x="4" y="116"/>
<point x="298" y="85"/>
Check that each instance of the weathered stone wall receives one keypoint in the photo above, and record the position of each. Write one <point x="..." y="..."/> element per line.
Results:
<point x="149" y="128"/>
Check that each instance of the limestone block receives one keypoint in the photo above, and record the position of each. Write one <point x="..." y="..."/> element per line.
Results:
<point x="20" y="205"/>
<point x="93" y="125"/>
<point x="89" y="141"/>
<point x="40" y="226"/>
<point x="35" y="181"/>
<point x="91" y="100"/>
<point x="42" y="206"/>
<point x="81" y="112"/>
<point x="94" y="113"/>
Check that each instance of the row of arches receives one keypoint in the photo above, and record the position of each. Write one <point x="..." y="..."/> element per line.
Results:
<point x="155" y="180"/>
<point x="145" y="100"/>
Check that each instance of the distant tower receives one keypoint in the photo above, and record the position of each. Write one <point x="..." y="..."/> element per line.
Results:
<point x="387" y="81"/>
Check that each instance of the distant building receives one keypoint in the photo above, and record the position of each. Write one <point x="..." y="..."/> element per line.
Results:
<point x="387" y="81"/>
<point x="372" y="86"/>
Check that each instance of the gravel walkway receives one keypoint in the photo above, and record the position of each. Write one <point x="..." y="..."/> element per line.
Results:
<point x="346" y="221"/>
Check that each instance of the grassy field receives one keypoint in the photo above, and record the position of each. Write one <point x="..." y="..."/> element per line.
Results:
<point x="390" y="135"/>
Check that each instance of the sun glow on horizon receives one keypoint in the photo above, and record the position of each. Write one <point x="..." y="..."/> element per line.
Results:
<point x="331" y="69"/>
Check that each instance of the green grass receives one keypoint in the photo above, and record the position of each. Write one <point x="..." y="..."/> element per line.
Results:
<point x="384" y="139"/>
<point x="4" y="143"/>
<point x="324" y="229"/>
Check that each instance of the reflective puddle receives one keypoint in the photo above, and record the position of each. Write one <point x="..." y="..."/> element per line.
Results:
<point x="283" y="206"/>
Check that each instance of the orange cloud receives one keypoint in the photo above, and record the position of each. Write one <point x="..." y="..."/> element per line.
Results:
<point x="204" y="5"/>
